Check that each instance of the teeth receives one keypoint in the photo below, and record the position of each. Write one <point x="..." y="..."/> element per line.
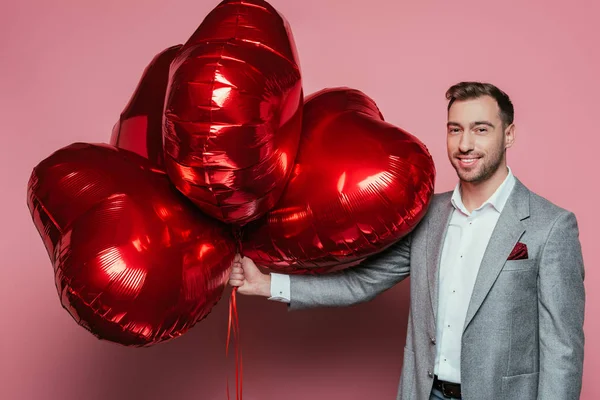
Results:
<point x="468" y="160"/>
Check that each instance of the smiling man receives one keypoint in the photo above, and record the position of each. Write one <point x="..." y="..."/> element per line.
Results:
<point x="497" y="294"/>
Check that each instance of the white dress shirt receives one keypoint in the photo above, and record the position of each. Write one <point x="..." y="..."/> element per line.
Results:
<point x="465" y="243"/>
<point x="467" y="238"/>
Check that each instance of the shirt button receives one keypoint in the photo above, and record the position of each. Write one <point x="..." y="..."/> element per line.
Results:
<point x="429" y="374"/>
<point x="432" y="340"/>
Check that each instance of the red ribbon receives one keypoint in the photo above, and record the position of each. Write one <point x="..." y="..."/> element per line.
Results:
<point x="234" y="326"/>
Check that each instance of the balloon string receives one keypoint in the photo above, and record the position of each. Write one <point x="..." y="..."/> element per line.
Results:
<point x="237" y="234"/>
<point x="234" y="327"/>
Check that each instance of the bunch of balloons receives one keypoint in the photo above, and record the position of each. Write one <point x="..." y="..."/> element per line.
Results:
<point x="219" y="152"/>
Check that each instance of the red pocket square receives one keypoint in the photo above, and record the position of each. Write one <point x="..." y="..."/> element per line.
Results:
<point x="519" y="252"/>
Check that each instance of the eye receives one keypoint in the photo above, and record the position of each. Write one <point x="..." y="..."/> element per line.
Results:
<point x="481" y="129"/>
<point x="453" y="130"/>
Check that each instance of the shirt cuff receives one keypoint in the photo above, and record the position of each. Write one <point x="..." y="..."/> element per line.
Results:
<point x="280" y="287"/>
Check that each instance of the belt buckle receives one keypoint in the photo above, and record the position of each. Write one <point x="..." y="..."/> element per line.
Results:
<point x="448" y="394"/>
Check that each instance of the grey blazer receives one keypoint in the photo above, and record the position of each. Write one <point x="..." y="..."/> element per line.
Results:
<point x="523" y="335"/>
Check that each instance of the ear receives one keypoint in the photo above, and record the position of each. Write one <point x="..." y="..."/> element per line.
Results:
<point x="509" y="136"/>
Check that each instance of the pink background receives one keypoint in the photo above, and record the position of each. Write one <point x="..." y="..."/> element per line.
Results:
<point x="69" y="67"/>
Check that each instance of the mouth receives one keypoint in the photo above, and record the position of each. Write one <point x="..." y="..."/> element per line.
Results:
<point x="468" y="161"/>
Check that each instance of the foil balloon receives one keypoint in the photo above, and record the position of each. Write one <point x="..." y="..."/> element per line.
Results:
<point x="359" y="184"/>
<point x="232" y="117"/>
<point x="139" y="128"/>
<point x="134" y="261"/>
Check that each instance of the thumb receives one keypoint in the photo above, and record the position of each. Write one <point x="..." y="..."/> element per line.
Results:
<point x="250" y="268"/>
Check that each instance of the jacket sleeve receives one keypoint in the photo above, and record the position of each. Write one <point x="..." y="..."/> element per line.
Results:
<point x="353" y="285"/>
<point x="561" y="307"/>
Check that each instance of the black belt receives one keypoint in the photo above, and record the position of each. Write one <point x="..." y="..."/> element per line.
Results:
<point x="448" y="389"/>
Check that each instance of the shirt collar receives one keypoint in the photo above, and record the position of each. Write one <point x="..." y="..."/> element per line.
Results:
<point x="497" y="200"/>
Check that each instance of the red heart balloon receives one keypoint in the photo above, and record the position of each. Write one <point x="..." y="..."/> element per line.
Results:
<point x="233" y="111"/>
<point x="135" y="262"/>
<point x="139" y="128"/>
<point x="359" y="184"/>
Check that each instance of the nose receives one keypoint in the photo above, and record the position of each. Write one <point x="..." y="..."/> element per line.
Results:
<point x="467" y="142"/>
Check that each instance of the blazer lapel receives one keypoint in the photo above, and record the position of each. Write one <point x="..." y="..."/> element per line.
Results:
<point x="505" y="236"/>
<point x="436" y="233"/>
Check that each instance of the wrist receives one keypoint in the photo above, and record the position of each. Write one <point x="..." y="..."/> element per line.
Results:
<point x="265" y="288"/>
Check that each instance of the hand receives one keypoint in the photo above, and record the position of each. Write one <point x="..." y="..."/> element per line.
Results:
<point x="246" y="276"/>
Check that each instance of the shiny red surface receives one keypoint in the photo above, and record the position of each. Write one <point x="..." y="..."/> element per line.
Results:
<point x="359" y="184"/>
<point x="139" y="128"/>
<point x="233" y="111"/>
<point x="134" y="261"/>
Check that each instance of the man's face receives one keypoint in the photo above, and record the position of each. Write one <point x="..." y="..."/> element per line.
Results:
<point x="477" y="140"/>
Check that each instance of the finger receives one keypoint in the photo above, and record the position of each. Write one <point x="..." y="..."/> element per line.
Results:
<point x="237" y="277"/>
<point x="237" y="258"/>
<point x="235" y="282"/>
<point x="237" y="270"/>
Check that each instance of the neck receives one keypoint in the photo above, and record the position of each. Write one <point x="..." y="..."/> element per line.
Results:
<point x="474" y="194"/>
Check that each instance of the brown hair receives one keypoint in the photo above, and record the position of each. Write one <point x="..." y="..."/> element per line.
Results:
<point x="473" y="90"/>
